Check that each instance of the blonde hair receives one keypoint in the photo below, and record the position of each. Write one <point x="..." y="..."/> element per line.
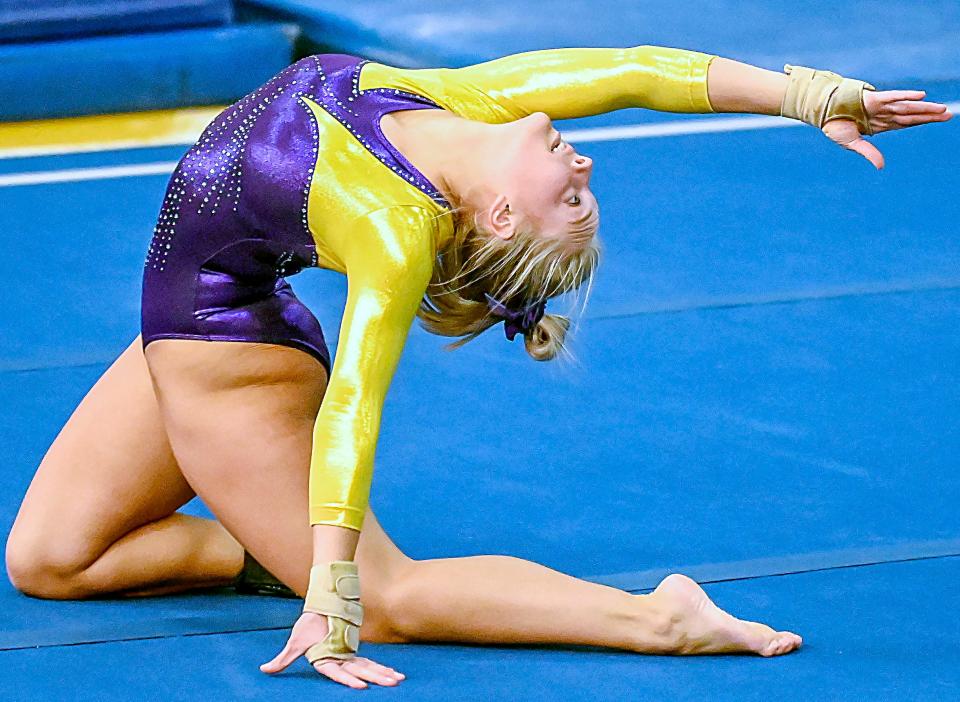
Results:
<point x="527" y="267"/>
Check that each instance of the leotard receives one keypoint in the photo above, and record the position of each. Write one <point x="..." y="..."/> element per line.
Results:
<point x="298" y="174"/>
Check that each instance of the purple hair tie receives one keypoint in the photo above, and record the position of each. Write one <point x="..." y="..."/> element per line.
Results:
<point x="524" y="319"/>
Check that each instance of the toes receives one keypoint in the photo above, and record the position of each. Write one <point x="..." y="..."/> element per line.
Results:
<point x="783" y="642"/>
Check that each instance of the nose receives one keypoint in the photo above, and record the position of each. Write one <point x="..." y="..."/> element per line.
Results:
<point x="583" y="165"/>
<point x="539" y="120"/>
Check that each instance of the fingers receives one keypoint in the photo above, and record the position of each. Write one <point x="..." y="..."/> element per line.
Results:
<point x="374" y="672"/>
<point x="333" y="670"/>
<point x="911" y="107"/>
<point x="383" y="669"/>
<point x="868" y="151"/>
<point x="355" y="671"/>
<point x="900" y="102"/>
<point x="895" y="95"/>
<point x="898" y="115"/>
<point x="895" y="109"/>
<point x="288" y="655"/>
<point x="912" y="120"/>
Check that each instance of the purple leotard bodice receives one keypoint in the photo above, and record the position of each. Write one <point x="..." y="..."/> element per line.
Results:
<point x="250" y="170"/>
<point x="234" y="223"/>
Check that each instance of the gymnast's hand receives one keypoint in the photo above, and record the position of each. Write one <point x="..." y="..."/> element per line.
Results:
<point x="887" y="110"/>
<point x="311" y="628"/>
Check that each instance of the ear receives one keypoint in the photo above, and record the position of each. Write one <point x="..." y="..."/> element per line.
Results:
<point x="499" y="218"/>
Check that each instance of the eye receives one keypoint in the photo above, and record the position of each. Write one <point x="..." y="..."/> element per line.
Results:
<point x="557" y="145"/>
<point x="571" y="200"/>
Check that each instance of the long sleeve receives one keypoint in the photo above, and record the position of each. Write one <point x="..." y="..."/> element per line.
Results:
<point x="389" y="261"/>
<point x="564" y="83"/>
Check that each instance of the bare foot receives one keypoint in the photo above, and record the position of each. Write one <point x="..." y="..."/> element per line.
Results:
<point x="702" y="627"/>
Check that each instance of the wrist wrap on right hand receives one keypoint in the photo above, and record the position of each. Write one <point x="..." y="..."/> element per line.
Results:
<point x="334" y="591"/>
<point x="816" y="97"/>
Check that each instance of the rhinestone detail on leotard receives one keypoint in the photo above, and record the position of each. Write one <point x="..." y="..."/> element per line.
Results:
<point x="211" y="179"/>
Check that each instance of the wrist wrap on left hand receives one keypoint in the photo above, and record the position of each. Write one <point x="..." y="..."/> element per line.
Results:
<point x="816" y="97"/>
<point x="334" y="591"/>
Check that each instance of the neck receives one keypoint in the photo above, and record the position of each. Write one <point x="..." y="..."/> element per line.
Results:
<point x="447" y="146"/>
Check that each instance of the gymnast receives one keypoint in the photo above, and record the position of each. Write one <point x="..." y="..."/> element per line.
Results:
<point x="444" y="194"/>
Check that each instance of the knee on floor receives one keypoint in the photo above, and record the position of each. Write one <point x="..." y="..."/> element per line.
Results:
<point x="45" y="569"/>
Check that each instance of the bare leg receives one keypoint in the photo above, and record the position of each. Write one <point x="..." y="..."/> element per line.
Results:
<point x="506" y="599"/>
<point x="99" y="515"/>
<point x="502" y="599"/>
<point x="178" y="553"/>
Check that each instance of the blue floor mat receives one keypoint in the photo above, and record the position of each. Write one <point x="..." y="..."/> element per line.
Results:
<point x="869" y="633"/>
<point x="43" y="19"/>
<point x="899" y="41"/>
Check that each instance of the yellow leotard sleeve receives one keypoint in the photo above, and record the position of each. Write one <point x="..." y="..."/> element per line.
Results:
<point x="564" y="83"/>
<point x="389" y="261"/>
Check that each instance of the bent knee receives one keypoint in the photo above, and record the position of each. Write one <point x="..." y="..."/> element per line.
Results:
<point x="36" y="568"/>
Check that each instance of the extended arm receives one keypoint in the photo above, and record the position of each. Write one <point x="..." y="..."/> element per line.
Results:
<point x="564" y="83"/>
<point x="580" y="82"/>
<point x="389" y="263"/>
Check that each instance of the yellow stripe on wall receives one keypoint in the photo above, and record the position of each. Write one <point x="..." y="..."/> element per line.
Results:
<point x="130" y="130"/>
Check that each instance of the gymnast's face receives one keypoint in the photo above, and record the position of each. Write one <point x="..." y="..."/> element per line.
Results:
<point x="542" y="180"/>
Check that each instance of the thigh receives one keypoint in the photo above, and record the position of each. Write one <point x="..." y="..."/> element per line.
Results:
<point x="240" y="417"/>
<point x="109" y="471"/>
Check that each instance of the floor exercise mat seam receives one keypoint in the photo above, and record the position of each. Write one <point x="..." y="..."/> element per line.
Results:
<point x="777" y="566"/>
<point x="787" y="298"/>
<point x="719" y="303"/>
<point x="94" y="642"/>
<point x="96" y="634"/>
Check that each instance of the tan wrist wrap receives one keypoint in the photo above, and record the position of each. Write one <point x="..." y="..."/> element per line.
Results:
<point x="816" y="97"/>
<point x="334" y="591"/>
